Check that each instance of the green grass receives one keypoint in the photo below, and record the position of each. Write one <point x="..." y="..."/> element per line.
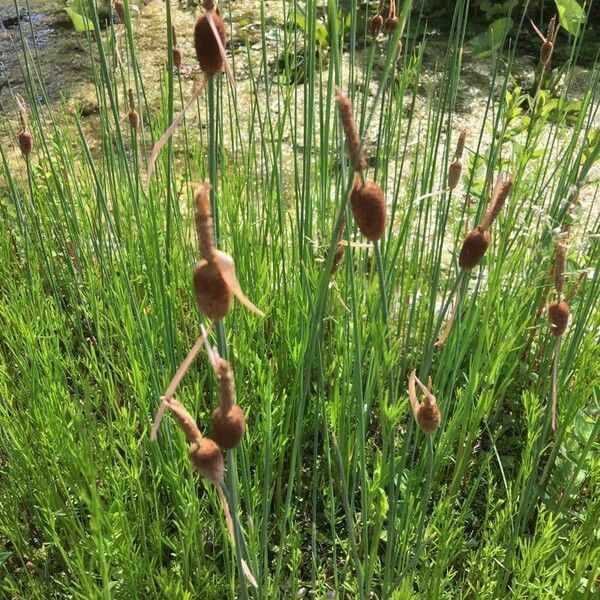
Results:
<point x="334" y="490"/>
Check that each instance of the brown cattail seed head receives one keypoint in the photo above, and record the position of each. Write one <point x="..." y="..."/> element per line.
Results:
<point x="368" y="207"/>
<point x="546" y="53"/>
<point x="351" y="134"/>
<point x="551" y="27"/>
<point x="376" y="25"/>
<point x="460" y="144"/>
<point x="25" y="143"/>
<point x="213" y="295"/>
<point x="454" y="171"/>
<point x="177" y="58"/>
<point x="131" y="98"/>
<point x="226" y="384"/>
<point x="204" y="223"/>
<point x="134" y="118"/>
<point x="558" y="315"/>
<point x="473" y="249"/>
<point x="207" y="47"/>
<point x="120" y="10"/>
<point x="499" y="195"/>
<point x="390" y="24"/>
<point x="208" y="460"/>
<point x="428" y="417"/>
<point x="228" y="426"/>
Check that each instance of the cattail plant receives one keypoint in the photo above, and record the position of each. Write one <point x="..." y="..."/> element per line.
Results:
<point x="376" y="25"/>
<point x="427" y="413"/>
<point x="558" y="316"/>
<point x="391" y="22"/>
<point x="215" y="281"/>
<point x="368" y="207"/>
<point x="24" y="136"/>
<point x="228" y="420"/>
<point x="476" y="242"/>
<point x="455" y="168"/>
<point x="209" y="42"/>
<point x="133" y="115"/>
<point x="176" y="50"/>
<point x="548" y="41"/>
<point x="366" y="197"/>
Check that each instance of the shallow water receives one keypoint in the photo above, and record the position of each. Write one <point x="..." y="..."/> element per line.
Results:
<point x="65" y="62"/>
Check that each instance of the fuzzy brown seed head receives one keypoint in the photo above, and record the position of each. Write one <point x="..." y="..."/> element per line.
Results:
<point x="213" y="295"/>
<point x="473" y="249"/>
<point x="134" y="118"/>
<point x="499" y="195"/>
<point x="131" y="98"/>
<point x="460" y="144"/>
<point x="173" y="36"/>
<point x="551" y="28"/>
<point x="546" y="53"/>
<point x="558" y="315"/>
<point x="226" y="383"/>
<point x="177" y="58"/>
<point x="120" y="10"/>
<point x="350" y="132"/>
<point x="207" y="47"/>
<point x="25" y="142"/>
<point x="390" y="24"/>
<point x="228" y="426"/>
<point x="428" y="417"/>
<point x="454" y="171"/>
<point x="376" y="25"/>
<point x="368" y="207"/>
<point x="208" y="460"/>
<point x="204" y="222"/>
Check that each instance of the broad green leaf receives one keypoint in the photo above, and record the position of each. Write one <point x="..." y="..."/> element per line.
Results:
<point x="80" y="23"/>
<point x="487" y="43"/>
<point x="570" y="14"/>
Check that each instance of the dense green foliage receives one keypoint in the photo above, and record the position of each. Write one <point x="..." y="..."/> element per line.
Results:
<point x="334" y="490"/>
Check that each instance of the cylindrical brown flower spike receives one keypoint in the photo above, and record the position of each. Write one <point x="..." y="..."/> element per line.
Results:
<point x="560" y="260"/>
<point x="204" y="223"/>
<point x="133" y="115"/>
<point x="376" y="25"/>
<point x="477" y="241"/>
<point x="558" y="315"/>
<point x="474" y="248"/>
<point x="176" y="50"/>
<point x="207" y="47"/>
<point x="391" y="22"/>
<point x="228" y="419"/>
<point x="213" y="295"/>
<point x="207" y="459"/>
<point x="357" y="159"/>
<point x="460" y="144"/>
<point x="454" y="171"/>
<point x="427" y="413"/>
<point x="368" y="207"/>
<point x="25" y="142"/>
<point x="120" y="10"/>
<point x="24" y="137"/>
